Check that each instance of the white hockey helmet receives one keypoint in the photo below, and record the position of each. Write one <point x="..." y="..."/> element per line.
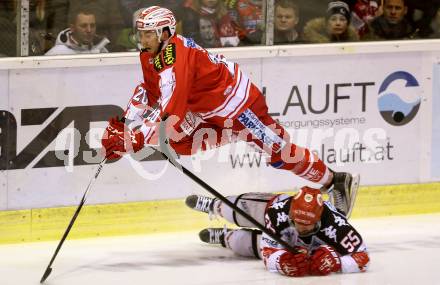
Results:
<point x="156" y="18"/>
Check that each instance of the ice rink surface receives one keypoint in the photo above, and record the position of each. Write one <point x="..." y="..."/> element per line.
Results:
<point x="404" y="250"/>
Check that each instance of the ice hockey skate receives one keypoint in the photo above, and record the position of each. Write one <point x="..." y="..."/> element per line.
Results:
<point x="344" y="191"/>
<point x="200" y="203"/>
<point x="214" y="235"/>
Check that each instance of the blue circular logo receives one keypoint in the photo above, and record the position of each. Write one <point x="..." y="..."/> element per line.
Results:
<point x="394" y="108"/>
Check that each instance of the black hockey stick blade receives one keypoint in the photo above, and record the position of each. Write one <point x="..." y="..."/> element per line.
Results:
<point x="46" y="274"/>
<point x="72" y="221"/>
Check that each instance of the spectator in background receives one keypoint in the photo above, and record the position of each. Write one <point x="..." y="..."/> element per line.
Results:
<point x="109" y="21"/>
<point x="363" y="13"/>
<point x="80" y="37"/>
<point x="392" y="25"/>
<point x="434" y="27"/>
<point x="208" y="37"/>
<point x="248" y="17"/>
<point x="421" y="14"/>
<point x="286" y="20"/>
<point x="310" y="9"/>
<point x="335" y="27"/>
<point x="46" y="19"/>
<point x="216" y="28"/>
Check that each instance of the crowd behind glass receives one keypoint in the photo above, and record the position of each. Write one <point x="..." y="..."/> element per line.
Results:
<point x="95" y="26"/>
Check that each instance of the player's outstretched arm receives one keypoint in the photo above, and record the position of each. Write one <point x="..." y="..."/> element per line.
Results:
<point x="345" y="252"/>
<point x="122" y="136"/>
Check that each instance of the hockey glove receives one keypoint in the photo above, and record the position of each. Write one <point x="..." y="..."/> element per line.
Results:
<point x="362" y="260"/>
<point x="118" y="139"/>
<point x="294" y="264"/>
<point x="324" y="260"/>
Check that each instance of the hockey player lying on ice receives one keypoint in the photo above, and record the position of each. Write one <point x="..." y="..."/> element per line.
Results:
<point x="326" y="241"/>
<point x="206" y="100"/>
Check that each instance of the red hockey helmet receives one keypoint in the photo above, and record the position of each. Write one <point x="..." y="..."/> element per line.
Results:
<point x="306" y="207"/>
<point x="156" y="18"/>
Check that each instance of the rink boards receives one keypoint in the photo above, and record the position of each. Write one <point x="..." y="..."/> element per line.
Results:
<point x="173" y="216"/>
<point x="335" y="99"/>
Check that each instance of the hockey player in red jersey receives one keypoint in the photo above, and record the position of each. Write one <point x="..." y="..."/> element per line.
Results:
<point x="207" y="100"/>
<point x="325" y="241"/>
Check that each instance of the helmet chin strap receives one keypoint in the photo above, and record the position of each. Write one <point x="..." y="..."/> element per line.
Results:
<point x="163" y="44"/>
<point x="159" y="33"/>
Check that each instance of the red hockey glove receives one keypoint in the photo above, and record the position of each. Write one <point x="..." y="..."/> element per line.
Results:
<point x="118" y="138"/>
<point x="324" y="260"/>
<point x="362" y="259"/>
<point x="294" y="264"/>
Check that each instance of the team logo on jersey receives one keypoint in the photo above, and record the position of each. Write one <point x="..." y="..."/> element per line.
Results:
<point x="169" y="54"/>
<point x="268" y="223"/>
<point x="340" y="221"/>
<point x="330" y="232"/>
<point x="282" y="218"/>
<point x="308" y="198"/>
<point x="269" y="241"/>
<point x="399" y="98"/>
<point x="166" y="58"/>
<point x="189" y="42"/>
<point x="158" y="64"/>
<point x="278" y="205"/>
<point x="190" y="123"/>
<point x="261" y="131"/>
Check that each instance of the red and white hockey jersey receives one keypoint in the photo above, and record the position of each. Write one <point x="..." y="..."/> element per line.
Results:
<point x="190" y="83"/>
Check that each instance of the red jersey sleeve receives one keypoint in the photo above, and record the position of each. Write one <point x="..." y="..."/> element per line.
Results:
<point x="137" y="105"/>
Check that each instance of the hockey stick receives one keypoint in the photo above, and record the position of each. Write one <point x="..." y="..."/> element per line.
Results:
<point x="83" y="200"/>
<point x="171" y="157"/>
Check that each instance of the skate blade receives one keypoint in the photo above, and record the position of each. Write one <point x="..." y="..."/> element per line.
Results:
<point x="353" y="192"/>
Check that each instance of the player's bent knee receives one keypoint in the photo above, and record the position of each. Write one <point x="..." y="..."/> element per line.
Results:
<point x="243" y="242"/>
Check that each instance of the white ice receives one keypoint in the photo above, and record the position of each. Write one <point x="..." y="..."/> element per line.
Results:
<point x="404" y="250"/>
